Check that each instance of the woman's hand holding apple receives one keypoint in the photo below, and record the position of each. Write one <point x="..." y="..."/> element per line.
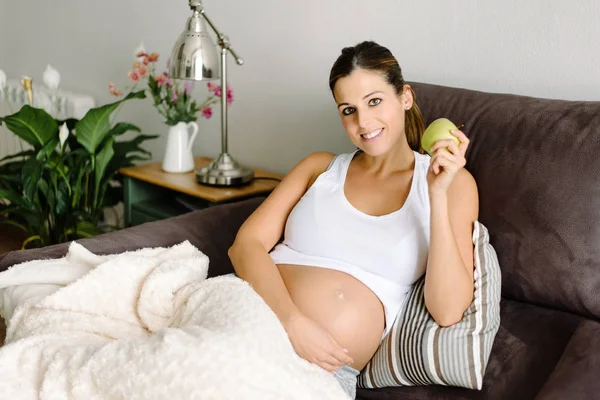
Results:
<point x="447" y="153"/>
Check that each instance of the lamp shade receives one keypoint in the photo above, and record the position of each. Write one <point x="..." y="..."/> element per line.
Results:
<point x="194" y="55"/>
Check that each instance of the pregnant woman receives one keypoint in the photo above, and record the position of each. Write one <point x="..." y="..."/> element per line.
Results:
<point x="360" y="228"/>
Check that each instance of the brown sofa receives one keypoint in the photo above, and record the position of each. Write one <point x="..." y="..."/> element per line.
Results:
<point x="537" y="164"/>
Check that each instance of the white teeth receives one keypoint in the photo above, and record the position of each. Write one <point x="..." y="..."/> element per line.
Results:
<point x="372" y="134"/>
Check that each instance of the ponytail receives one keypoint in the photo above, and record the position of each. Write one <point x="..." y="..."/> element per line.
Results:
<point x="414" y="125"/>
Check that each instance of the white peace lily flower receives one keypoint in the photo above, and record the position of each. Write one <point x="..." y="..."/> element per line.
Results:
<point x="140" y="49"/>
<point x="2" y="80"/>
<point x="63" y="134"/>
<point x="51" y="77"/>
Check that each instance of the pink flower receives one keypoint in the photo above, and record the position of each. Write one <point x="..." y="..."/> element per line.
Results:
<point x="174" y="96"/>
<point x="134" y="76"/>
<point x="153" y="57"/>
<point x="207" y="112"/>
<point x="229" y="95"/>
<point x="218" y="91"/>
<point x="113" y="90"/>
<point x="142" y="71"/>
<point x="211" y="87"/>
<point x="161" y="79"/>
<point x="141" y="54"/>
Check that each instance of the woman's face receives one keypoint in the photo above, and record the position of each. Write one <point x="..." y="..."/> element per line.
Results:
<point x="371" y="111"/>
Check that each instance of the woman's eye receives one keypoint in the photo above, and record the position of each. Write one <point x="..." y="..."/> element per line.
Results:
<point x="375" y="102"/>
<point x="348" y="110"/>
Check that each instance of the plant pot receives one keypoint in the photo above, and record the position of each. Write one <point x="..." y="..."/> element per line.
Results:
<point x="178" y="153"/>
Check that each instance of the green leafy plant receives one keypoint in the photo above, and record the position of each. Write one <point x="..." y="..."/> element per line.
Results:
<point x="56" y="189"/>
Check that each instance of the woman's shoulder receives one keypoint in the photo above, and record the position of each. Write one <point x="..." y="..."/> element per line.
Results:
<point x="320" y="157"/>
<point x="318" y="161"/>
<point x="315" y="164"/>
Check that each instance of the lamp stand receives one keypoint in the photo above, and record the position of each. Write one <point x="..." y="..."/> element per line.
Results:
<point x="224" y="171"/>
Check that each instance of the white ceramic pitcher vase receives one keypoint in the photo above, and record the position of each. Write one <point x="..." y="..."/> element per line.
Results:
<point x="178" y="154"/>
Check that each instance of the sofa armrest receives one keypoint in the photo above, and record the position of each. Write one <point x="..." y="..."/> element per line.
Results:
<point x="211" y="230"/>
<point x="577" y="374"/>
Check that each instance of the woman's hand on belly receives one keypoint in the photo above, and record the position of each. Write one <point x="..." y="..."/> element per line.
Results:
<point x="341" y="305"/>
<point x="315" y="344"/>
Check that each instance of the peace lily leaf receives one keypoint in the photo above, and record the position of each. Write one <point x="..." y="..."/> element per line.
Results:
<point x="24" y="216"/>
<point x="123" y="127"/>
<point x="13" y="197"/>
<point x="48" y="149"/>
<point x="62" y="170"/>
<point x="32" y="172"/>
<point x="93" y="128"/>
<point x="134" y="144"/>
<point x="13" y="223"/>
<point x="9" y="183"/>
<point x="102" y="161"/>
<point x="78" y="190"/>
<point x="48" y="193"/>
<point x="125" y="150"/>
<point x="33" y="125"/>
<point x="62" y="197"/>
<point x="13" y="167"/>
<point x="25" y="153"/>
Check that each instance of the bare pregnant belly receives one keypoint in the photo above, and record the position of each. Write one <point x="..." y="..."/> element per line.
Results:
<point x="343" y="305"/>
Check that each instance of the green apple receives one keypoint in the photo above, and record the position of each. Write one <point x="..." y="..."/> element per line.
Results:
<point x="437" y="130"/>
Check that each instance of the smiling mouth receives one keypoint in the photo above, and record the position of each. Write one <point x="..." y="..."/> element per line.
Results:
<point x="371" y="135"/>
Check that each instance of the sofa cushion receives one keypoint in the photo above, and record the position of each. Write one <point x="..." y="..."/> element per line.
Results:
<point x="538" y="173"/>
<point x="577" y="374"/>
<point x="528" y="345"/>
<point x="417" y="351"/>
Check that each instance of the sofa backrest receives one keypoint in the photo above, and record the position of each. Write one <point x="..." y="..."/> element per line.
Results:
<point x="537" y="166"/>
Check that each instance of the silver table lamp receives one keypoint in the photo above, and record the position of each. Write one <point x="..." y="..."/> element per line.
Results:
<point x="194" y="57"/>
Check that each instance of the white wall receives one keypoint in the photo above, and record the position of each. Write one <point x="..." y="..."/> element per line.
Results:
<point x="3" y="37"/>
<point x="283" y="109"/>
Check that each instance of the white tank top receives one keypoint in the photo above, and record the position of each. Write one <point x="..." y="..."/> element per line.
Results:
<point x="386" y="253"/>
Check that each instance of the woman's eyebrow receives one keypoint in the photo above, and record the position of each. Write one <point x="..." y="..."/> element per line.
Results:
<point x="364" y="97"/>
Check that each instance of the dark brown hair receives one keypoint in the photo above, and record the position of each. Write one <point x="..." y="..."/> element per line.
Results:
<point x="374" y="57"/>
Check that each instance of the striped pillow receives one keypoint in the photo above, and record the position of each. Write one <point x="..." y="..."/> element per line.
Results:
<point x="417" y="351"/>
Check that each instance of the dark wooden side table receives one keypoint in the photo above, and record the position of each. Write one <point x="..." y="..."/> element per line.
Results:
<point x="151" y="194"/>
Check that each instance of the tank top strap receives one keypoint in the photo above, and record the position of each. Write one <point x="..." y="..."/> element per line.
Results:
<point x="339" y="165"/>
<point x="333" y="162"/>
<point x="420" y="175"/>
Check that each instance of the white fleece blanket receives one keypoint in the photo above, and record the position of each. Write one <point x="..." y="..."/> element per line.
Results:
<point x="145" y="325"/>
